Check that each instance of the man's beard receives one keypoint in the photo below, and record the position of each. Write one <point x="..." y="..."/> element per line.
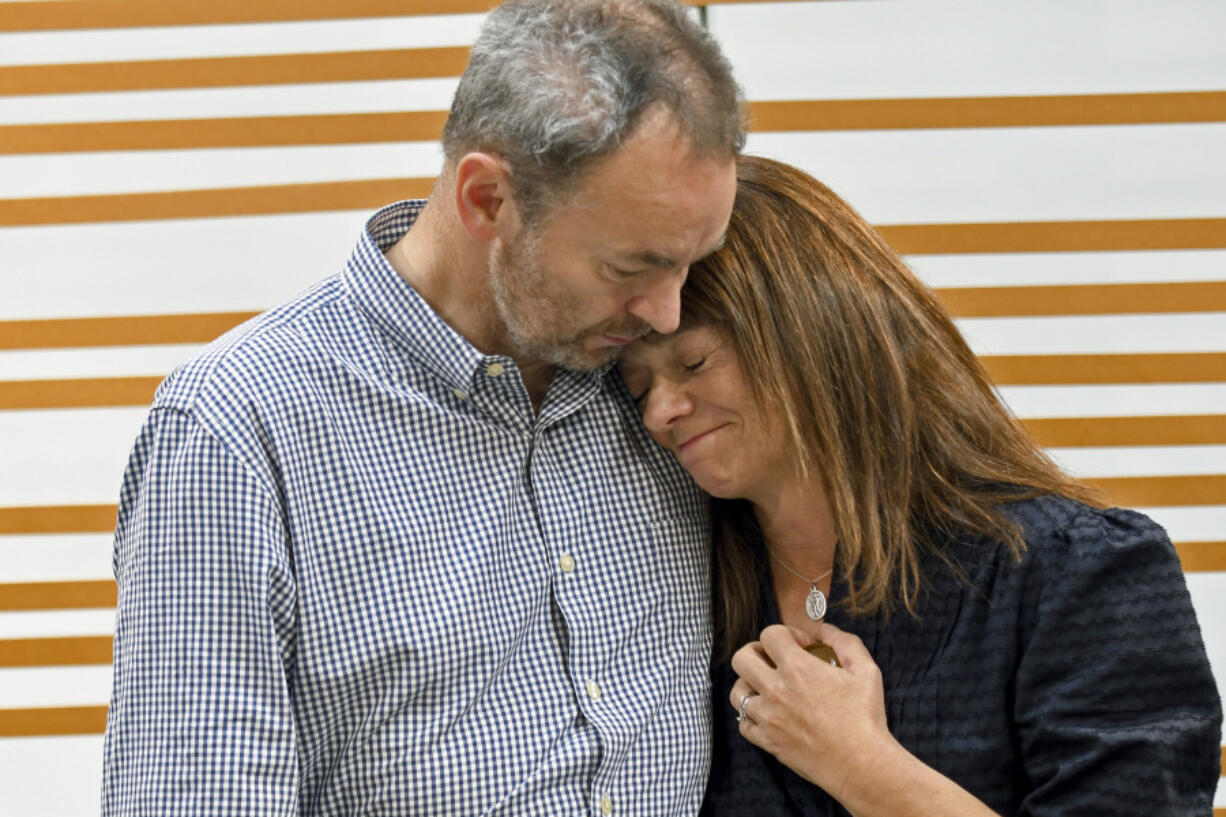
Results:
<point x="526" y="303"/>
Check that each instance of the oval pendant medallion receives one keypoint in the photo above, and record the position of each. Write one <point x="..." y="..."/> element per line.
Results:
<point x="815" y="604"/>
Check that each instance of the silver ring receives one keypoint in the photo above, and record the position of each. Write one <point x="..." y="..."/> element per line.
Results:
<point x="741" y="715"/>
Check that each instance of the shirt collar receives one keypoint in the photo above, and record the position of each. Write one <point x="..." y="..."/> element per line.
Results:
<point x="405" y="316"/>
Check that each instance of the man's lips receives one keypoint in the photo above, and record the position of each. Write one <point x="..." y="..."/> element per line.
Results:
<point x="698" y="437"/>
<point x="616" y="340"/>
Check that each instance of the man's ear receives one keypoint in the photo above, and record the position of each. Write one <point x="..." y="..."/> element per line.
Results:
<point x="483" y="196"/>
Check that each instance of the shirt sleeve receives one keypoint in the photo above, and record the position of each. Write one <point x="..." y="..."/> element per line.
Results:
<point x="1116" y="706"/>
<point x="200" y="719"/>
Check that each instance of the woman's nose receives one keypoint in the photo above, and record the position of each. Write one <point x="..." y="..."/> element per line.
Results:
<point x="666" y="404"/>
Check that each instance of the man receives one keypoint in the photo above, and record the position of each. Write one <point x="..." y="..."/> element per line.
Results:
<point x="400" y="546"/>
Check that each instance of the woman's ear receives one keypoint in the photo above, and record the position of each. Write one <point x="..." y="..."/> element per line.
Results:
<point x="483" y="196"/>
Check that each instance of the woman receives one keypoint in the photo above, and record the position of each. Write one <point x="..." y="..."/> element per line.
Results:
<point x="1007" y="644"/>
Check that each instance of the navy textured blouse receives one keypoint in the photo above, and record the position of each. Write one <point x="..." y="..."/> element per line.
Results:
<point x="1074" y="682"/>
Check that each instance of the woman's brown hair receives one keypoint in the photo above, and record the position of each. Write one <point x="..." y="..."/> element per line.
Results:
<point x="881" y="397"/>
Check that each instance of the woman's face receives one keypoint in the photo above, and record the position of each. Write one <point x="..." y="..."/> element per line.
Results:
<point x="691" y="391"/>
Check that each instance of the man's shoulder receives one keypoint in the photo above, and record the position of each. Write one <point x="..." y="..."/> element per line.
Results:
<point x="263" y="357"/>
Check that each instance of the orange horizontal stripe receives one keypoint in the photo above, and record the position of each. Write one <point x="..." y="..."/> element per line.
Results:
<point x="77" y="393"/>
<point x="78" y="14"/>
<point x="289" y="198"/>
<point x="167" y="134"/>
<point x="987" y="112"/>
<point x="230" y="201"/>
<point x="913" y="239"/>
<point x="57" y="595"/>
<point x="57" y="519"/>
<point x="136" y="330"/>
<point x="55" y="652"/>
<point x="46" y="722"/>
<point x="1201" y="556"/>
<point x="1057" y="236"/>
<point x="1100" y="299"/>
<point x="410" y="126"/>
<point x="1179" y="491"/>
<point x="1051" y="370"/>
<point x="1196" y="429"/>
<point x="969" y="302"/>
<point x="215" y="72"/>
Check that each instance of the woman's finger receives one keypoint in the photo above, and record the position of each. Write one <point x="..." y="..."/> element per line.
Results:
<point x="848" y="646"/>
<point x="743" y="700"/>
<point x="752" y="663"/>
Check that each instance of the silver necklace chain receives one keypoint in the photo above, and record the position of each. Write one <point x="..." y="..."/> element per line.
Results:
<point x="815" y="602"/>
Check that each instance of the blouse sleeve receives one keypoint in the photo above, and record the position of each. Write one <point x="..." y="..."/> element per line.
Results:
<point x="1116" y="707"/>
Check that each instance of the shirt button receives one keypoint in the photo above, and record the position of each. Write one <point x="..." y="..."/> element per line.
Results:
<point x="460" y="395"/>
<point x="494" y="369"/>
<point x="567" y="563"/>
<point x="593" y="690"/>
<point x="606" y="804"/>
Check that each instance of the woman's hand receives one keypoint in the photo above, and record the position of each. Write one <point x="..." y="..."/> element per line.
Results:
<point x="826" y="724"/>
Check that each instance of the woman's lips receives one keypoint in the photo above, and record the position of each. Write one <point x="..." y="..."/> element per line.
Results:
<point x="698" y="438"/>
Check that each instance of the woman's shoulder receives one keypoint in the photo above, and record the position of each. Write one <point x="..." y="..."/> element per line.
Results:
<point x="1057" y="527"/>
<point x="1069" y="546"/>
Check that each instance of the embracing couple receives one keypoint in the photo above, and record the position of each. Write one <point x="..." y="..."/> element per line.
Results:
<point x="546" y="503"/>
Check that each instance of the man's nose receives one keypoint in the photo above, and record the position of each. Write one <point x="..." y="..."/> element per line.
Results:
<point x="660" y="305"/>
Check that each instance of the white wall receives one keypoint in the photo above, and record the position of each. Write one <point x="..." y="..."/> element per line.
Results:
<point x="795" y="50"/>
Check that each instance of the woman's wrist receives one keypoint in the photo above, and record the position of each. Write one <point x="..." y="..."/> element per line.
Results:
<point x="895" y="783"/>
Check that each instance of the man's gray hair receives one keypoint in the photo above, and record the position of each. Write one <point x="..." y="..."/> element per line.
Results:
<point x="552" y="85"/>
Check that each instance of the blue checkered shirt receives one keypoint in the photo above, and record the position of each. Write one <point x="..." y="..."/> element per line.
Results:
<point x="359" y="575"/>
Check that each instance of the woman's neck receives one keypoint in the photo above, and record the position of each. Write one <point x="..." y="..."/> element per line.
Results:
<point x="797" y="525"/>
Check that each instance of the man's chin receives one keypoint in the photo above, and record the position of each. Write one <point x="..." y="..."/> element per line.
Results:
<point x="579" y="359"/>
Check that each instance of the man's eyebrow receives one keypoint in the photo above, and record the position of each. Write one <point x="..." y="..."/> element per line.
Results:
<point x="651" y="259"/>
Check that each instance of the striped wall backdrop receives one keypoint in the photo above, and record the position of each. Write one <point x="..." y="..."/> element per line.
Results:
<point x="1055" y="168"/>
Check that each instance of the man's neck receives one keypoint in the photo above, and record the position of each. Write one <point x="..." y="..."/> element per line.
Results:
<point x="449" y="271"/>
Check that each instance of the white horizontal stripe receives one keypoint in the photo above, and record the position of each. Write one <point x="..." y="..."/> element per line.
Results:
<point x="72" y="174"/>
<point x="119" y="361"/>
<point x="972" y="48"/>
<point x="77" y="456"/>
<point x="1209" y="599"/>
<point x="1204" y="523"/>
<point x="56" y="557"/>
<point x="1115" y="401"/>
<point x="253" y="262"/>
<point x="1096" y="334"/>
<point x="49" y="624"/>
<point x="66" y="457"/>
<point x="52" y="777"/>
<point x="55" y="686"/>
<point x="1142" y="461"/>
<point x="157" y="267"/>
<point x="1035" y="269"/>
<point x="1168" y="171"/>
<point x="209" y="103"/>
<point x="1008" y="174"/>
<point x="180" y="42"/>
